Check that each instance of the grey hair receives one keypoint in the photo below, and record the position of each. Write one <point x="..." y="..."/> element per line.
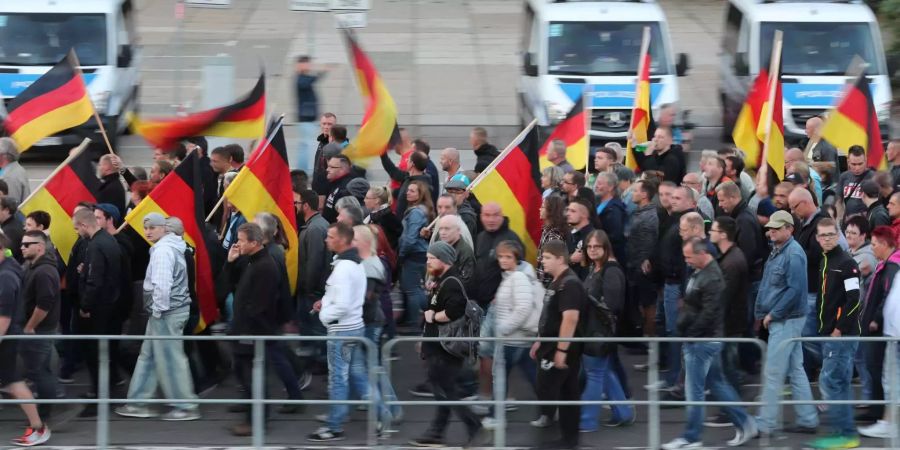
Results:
<point x="611" y="179"/>
<point x="344" y="202"/>
<point x="555" y="173"/>
<point x="268" y="224"/>
<point x="252" y="231"/>
<point x="355" y="212"/>
<point x="9" y="148"/>
<point x="229" y="177"/>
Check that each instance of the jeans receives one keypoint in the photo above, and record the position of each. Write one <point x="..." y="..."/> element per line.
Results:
<point x="785" y="361"/>
<point x="834" y="383"/>
<point x="601" y="380"/>
<point x="310" y="325"/>
<point x="243" y="371"/>
<point x="518" y="357"/>
<point x="730" y="367"/>
<point x="748" y="353"/>
<point x="812" y="351"/>
<point x="307" y="148"/>
<point x="277" y="355"/>
<point x="36" y="357"/>
<point x="890" y="391"/>
<point x="163" y="362"/>
<point x="412" y="273"/>
<point x="671" y="295"/>
<point x="443" y="371"/>
<point x="373" y="333"/>
<point x="562" y="384"/>
<point x="704" y="370"/>
<point x="862" y="369"/>
<point x="346" y="367"/>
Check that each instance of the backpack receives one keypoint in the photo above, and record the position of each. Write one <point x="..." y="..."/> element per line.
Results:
<point x="599" y="322"/>
<point x="469" y="325"/>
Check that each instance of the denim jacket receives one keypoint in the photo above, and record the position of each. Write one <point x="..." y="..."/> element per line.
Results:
<point x="782" y="292"/>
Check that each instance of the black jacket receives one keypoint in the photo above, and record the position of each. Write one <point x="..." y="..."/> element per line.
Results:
<point x="125" y="302"/>
<point x="111" y="191"/>
<point x="838" y="305"/>
<point x="40" y="289"/>
<point x="98" y="282"/>
<point x="733" y="265"/>
<point x="450" y="297"/>
<point x="255" y="287"/>
<point x="487" y="276"/>
<point x="467" y="213"/>
<point x="210" y="184"/>
<point x="574" y="243"/>
<point x="670" y="260"/>
<point x="701" y="315"/>
<point x="485" y="154"/>
<point x="876" y="294"/>
<point x="612" y="220"/>
<point x="337" y="190"/>
<point x="320" y="165"/>
<point x="877" y="215"/>
<point x="750" y="239"/>
<point x="671" y="163"/>
<point x="389" y="223"/>
<point x="14" y="229"/>
<point x="806" y="237"/>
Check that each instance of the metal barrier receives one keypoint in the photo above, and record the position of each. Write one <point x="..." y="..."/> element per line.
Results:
<point x="499" y="402"/>
<point x="256" y="401"/>
<point x="891" y="404"/>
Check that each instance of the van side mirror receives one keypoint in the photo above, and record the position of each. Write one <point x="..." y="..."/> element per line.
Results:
<point x="683" y="65"/>
<point x="124" y="58"/>
<point x="528" y="66"/>
<point x="740" y="64"/>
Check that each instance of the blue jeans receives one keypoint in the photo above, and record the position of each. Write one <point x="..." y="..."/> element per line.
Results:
<point x="704" y="370"/>
<point x="785" y="361"/>
<point x="671" y="295"/>
<point x="812" y="351"/>
<point x="373" y="333"/>
<point x="307" y="148"/>
<point x="163" y="363"/>
<point x="346" y="367"/>
<point x="834" y="383"/>
<point x="862" y="369"/>
<point x="601" y="380"/>
<point x="412" y="273"/>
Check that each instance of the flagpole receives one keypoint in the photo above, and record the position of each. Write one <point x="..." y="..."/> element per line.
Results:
<point x="72" y="155"/>
<point x="586" y="110"/>
<point x="93" y="108"/>
<point x="774" y="79"/>
<point x="278" y="126"/>
<point x="645" y="48"/>
<point x="513" y="144"/>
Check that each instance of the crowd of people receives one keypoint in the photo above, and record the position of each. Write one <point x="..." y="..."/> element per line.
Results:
<point x="672" y="252"/>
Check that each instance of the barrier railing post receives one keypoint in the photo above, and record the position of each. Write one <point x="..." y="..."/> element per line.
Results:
<point x="653" y="395"/>
<point x="892" y="382"/>
<point x="103" y="394"/>
<point x="257" y="391"/>
<point x="499" y="395"/>
<point x="374" y="391"/>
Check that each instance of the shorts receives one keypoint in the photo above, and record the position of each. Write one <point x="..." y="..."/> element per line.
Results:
<point x="642" y="289"/>
<point x="9" y="370"/>
<point x="486" y="348"/>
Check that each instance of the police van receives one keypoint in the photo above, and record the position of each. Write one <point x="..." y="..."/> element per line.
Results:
<point x="36" y="34"/>
<point x="569" y="46"/>
<point x="820" y="40"/>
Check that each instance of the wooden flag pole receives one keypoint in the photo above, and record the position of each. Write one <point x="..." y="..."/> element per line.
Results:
<point x="645" y="48"/>
<point x="586" y="110"/>
<point x="515" y="142"/>
<point x="774" y="79"/>
<point x="72" y="155"/>
<point x="93" y="108"/>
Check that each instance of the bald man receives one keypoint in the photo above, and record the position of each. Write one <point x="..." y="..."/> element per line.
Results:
<point x="817" y="148"/>
<point x="450" y="162"/>
<point x="793" y="155"/>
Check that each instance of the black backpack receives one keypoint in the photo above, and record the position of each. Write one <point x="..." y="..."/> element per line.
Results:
<point x="600" y="322"/>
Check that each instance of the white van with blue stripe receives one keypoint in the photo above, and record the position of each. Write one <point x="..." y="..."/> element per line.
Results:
<point x="820" y="40"/>
<point x="570" y="46"/>
<point x="36" y="34"/>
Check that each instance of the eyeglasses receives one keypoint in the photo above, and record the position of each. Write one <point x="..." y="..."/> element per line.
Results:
<point x="29" y="244"/>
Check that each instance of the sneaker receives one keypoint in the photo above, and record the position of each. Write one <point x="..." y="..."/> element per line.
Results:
<point x="181" y="415"/>
<point x="660" y="385"/>
<point x="422" y="390"/>
<point x="66" y="379"/>
<point x="835" y="442"/>
<point x="489" y="423"/>
<point x="744" y="435"/>
<point x="32" y="437"/>
<point x="718" y="421"/>
<point x="511" y="408"/>
<point x="140" y="412"/>
<point x="481" y="410"/>
<point x="427" y="442"/>
<point x="305" y="380"/>
<point x="880" y="429"/>
<point x="541" y="422"/>
<point x="678" y="443"/>
<point x="325" y="435"/>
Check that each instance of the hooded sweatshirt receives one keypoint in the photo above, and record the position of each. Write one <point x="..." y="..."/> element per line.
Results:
<point x="41" y="290"/>
<point x="345" y="293"/>
<point x="166" y="283"/>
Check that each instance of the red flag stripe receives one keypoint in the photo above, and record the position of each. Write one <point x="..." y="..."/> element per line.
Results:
<point x="66" y="94"/>
<point x="525" y="189"/>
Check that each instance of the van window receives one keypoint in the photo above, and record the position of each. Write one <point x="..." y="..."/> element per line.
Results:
<point x="820" y="48"/>
<point x="603" y="48"/>
<point x="36" y="39"/>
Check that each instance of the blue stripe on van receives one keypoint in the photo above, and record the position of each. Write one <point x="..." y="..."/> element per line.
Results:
<point x="12" y="84"/>
<point x="608" y="95"/>
<point x="817" y="95"/>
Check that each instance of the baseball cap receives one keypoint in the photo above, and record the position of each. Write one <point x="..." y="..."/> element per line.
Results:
<point x="780" y="219"/>
<point x="154" y="219"/>
<point x="459" y="181"/>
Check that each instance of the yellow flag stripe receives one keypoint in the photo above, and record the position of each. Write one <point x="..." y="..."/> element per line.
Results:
<point x="61" y="229"/>
<point x="59" y="119"/>
<point x="494" y="188"/>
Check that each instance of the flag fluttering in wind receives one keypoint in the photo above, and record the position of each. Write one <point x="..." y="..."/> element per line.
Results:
<point x="573" y="132"/>
<point x="244" y="119"/>
<point x="379" y="131"/>
<point x="853" y="121"/>
<point x="264" y="185"/>
<point x="744" y="133"/>
<point x="179" y="194"/>
<point x="770" y="130"/>
<point x="56" y="101"/>
<point x="642" y="112"/>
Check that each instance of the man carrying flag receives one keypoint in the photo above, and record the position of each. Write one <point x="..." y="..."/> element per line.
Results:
<point x="853" y="121"/>
<point x="567" y="145"/>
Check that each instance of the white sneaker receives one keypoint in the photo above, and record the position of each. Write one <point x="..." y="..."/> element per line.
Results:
<point x="744" y="435"/>
<point x="541" y="422"/>
<point x="660" y="385"/>
<point x="142" y="412"/>
<point x="678" y="443"/>
<point x="489" y="423"/>
<point x="181" y="415"/>
<point x="881" y="429"/>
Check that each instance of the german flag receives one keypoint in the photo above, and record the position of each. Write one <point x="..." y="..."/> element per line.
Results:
<point x="572" y="131"/>
<point x="641" y="114"/>
<point x="72" y="182"/>
<point x="514" y="185"/>
<point x="853" y="121"/>
<point x="242" y="120"/>
<point x="744" y="133"/>
<point x="179" y="194"/>
<point x="379" y="130"/>
<point x="264" y="185"/>
<point x="770" y="131"/>
<point x="57" y="101"/>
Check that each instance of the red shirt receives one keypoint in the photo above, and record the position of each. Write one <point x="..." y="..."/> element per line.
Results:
<point x="402" y="165"/>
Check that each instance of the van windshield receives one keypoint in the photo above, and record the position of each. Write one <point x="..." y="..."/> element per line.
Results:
<point x="820" y="48"/>
<point x="603" y="48"/>
<point x="44" y="39"/>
